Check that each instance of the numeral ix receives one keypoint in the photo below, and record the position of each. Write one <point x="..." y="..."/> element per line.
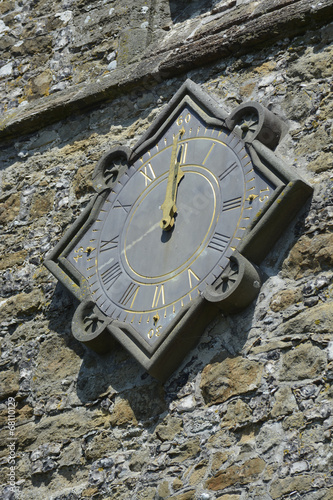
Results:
<point x="109" y="244"/>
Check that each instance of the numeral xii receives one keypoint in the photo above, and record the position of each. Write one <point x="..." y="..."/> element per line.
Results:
<point x="148" y="173"/>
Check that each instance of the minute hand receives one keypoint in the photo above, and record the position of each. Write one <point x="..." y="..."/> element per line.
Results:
<point x="175" y="175"/>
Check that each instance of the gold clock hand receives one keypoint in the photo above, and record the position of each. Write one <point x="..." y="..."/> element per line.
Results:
<point x="175" y="175"/>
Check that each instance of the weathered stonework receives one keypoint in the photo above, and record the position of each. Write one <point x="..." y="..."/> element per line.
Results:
<point x="249" y="413"/>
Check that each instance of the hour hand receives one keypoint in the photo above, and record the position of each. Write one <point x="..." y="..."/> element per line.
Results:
<point x="169" y="206"/>
<point x="175" y="175"/>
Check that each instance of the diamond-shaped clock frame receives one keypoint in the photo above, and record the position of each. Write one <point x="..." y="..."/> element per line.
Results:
<point x="239" y="283"/>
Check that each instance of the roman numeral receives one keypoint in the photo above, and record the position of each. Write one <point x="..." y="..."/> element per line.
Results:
<point x="129" y="295"/>
<point x="228" y="171"/>
<point x="158" y="295"/>
<point x="211" y="149"/>
<point x="121" y="205"/>
<point x="111" y="275"/>
<point x="231" y="204"/>
<point x="183" y="160"/>
<point x="151" y="172"/>
<point x="191" y="275"/>
<point x="109" y="244"/>
<point x="219" y="242"/>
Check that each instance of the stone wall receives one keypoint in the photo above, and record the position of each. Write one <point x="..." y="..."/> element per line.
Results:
<point x="49" y="47"/>
<point x="249" y="413"/>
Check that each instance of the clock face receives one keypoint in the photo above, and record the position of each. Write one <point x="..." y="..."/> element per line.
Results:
<point x="174" y="235"/>
<point x="145" y="276"/>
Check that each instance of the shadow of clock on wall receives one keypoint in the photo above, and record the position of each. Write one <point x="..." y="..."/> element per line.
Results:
<point x="111" y="377"/>
<point x="115" y="381"/>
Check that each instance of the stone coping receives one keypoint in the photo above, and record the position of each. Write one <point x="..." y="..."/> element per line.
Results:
<point x="232" y="34"/>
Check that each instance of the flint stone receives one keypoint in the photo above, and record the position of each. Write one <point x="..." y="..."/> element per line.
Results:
<point x="284" y="299"/>
<point x="69" y="425"/>
<point x="188" y="495"/>
<point x="186" y="404"/>
<point x="285" y="402"/>
<point x="22" y="304"/>
<point x="189" y="449"/>
<point x="9" y="383"/>
<point x="269" y="436"/>
<point x="330" y="351"/>
<point x="7" y="69"/>
<point x="97" y="476"/>
<point x="238" y="414"/>
<point x="169" y="428"/>
<point x="229" y="497"/>
<point x="231" y="377"/>
<point x="138" y="404"/>
<point x="309" y="255"/>
<point x="10" y="208"/>
<point x="71" y="455"/>
<point x="305" y="361"/>
<point x="12" y="259"/>
<point x="55" y="362"/>
<point x="199" y="472"/>
<point x="237" y="474"/>
<point x="329" y="371"/>
<point x="298" y="467"/>
<point x="101" y="445"/>
<point x="319" y="319"/>
<point x="281" y="487"/>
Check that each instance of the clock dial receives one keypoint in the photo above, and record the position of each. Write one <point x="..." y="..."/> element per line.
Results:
<point x="177" y="228"/>
<point x="144" y="271"/>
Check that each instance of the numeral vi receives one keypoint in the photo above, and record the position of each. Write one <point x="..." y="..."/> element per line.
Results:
<point x="158" y="296"/>
<point x="129" y="295"/>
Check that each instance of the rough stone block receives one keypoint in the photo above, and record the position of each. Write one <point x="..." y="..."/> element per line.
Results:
<point x="231" y="377"/>
<point x="304" y="362"/>
<point x="237" y="474"/>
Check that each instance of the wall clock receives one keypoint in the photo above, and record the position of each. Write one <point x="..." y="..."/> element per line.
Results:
<point x="177" y="229"/>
